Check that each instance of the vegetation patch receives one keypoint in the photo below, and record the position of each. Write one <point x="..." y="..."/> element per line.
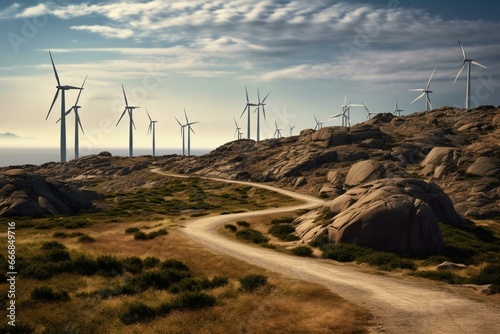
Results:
<point x="47" y="294"/>
<point x="284" y="232"/>
<point x="148" y="236"/>
<point x="252" y="235"/>
<point x="252" y="282"/>
<point x="305" y="251"/>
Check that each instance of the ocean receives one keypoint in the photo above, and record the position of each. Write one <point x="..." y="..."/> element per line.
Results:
<point x="36" y="156"/>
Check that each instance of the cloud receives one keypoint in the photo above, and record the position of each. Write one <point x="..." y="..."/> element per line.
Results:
<point x="105" y="31"/>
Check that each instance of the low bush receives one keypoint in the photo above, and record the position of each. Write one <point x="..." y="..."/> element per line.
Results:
<point x="251" y="282"/>
<point x="132" y="230"/>
<point x="45" y="293"/>
<point x="138" y="312"/>
<point x="133" y="264"/>
<point x="243" y="223"/>
<point x="442" y="275"/>
<point x="85" y="265"/>
<point x="174" y="264"/>
<point x="285" y="220"/>
<point x="192" y="301"/>
<point x="231" y="227"/>
<point x="342" y="252"/>
<point x="20" y="328"/>
<point x="150" y="262"/>
<point x="488" y="275"/>
<point x="85" y="238"/>
<point x="283" y="232"/>
<point x="252" y="235"/>
<point x="302" y="251"/>
<point x="109" y="265"/>
<point x="148" y="236"/>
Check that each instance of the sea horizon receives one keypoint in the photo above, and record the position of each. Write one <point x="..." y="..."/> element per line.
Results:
<point x="18" y="156"/>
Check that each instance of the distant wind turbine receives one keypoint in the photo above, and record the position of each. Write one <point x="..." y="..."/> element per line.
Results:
<point x="319" y="124"/>
<point x="469" y="62"/>
<point x="344" y="115"/>
<point x="75" y="108"/>
<point x="291" y="129"/>
<point x="425" y="92"/>
<point x="369" y="113"/>
<point x="129" y="109"/>
<point x="277" y="132"/>
<point x="189" y="130"/>
<point x="247" y="109"/>
<point x="263" y="104"/>
<point x="397" y="111"/>
<point x="183" y="126"/>
<point x="63" y="89"/>
<point x="151" y="129"/>
<point x="237" y="131"/>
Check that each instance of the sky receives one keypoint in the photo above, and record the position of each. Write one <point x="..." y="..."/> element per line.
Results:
<point x="201" y="54"/>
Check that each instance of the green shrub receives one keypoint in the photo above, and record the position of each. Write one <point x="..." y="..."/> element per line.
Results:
<point x="252" y="235"/>
<point x="151" y="262"/>
<point x="45" y="293"/>
<point x="133" y="264"/>
<point x="53" y="245"/>
<point x="85" y="265"/>
<point x="251" y="282"/>
<point x="218" y="281"/>
<point x="109" y="265"/>
<point x="285" y="220"/>
<point x="174" y="264"/>
<point x="488" y="275"/>
<point x="60" y="235"/>
<point x="283" y="232"/>
<point x="190" y="284"/>
<point x="231" y="227"/>
<point x="243" y="223"/>
<point x="343" y="252"/>
<point x="85" y="238"/>
<point x="193" y="301"/>
<point x="135" y="313"/>
<point x="20" y="328"/>
<point x="441" y="275"/>
<point x="132" y="230"/>
<point x="143" y="236"/>
<point x="140" y="236"/>
<point x="302" y="251"/>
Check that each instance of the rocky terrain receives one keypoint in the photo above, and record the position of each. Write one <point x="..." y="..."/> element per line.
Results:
<point x="389" y="178"/>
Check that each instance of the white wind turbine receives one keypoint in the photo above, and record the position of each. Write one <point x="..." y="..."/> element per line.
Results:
<point x="369" y="113"/>
<point x="344" y="114"/>
<point x="129" y="109"/>
<point x="247" y="109"/>
<point x="291" y="129"/>
<point x="319" y="124"/>
<point x="277" y="132"/>
<point x="183" y="126"/>
<point x="263" y="104"/>
<point x="189" y="130"/>
<point x="237" y="131"/>
<point x="397" y="111"/>
<point x="151" y="129"/>
<point x="75" y="108"/>
<point x="469" y="62"/>
<point x="63" y="89"/>
<point x="425" y="92"/>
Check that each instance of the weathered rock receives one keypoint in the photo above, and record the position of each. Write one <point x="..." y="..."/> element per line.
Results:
<point x="485" y="166"/>
<point x="364" y="171"/>
<point x="439" y="161"/>
<point x="446" y="265"/>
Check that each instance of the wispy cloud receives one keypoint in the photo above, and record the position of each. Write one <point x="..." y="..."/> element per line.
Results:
<point x="105" y="31"/>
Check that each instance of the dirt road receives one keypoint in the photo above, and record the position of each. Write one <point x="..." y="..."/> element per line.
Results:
<point x="400" y="305"/>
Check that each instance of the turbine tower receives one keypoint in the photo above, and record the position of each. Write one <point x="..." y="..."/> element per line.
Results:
<point x="63" y="89"/>
<point x="319" y="124"/>
<point x="425" y="92"/>
<point x="129" y="109"/>
<point x="151" y="129"/>
<point x="182" y="135"/>
<point x="291" y="129"/>
<point x="247" y="109"/>
<point x="189" y="130"/>
<point x="469" y="62"/>
<point x="263" y="104"/>
<point x="277" y="132"/>
<point x="237" y="130"/>
<point x="369" y="113"/>
<point x="344" y="114"/>
<point x="397" y="111"/>
<point x="75" y="108"/>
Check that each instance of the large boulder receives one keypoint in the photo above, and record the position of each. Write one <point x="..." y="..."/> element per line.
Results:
<point x="440" y="161"/>
<point x="364" y="171"/>
<point x="485" y="166"/>
<point x="396" y="215"/>
<point x="29" y="194"/>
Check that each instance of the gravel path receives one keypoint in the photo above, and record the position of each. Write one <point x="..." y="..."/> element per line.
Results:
<point x="399" y="305"/>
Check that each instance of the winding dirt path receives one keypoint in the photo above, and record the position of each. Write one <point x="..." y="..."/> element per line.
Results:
<point x="400" y="305"/>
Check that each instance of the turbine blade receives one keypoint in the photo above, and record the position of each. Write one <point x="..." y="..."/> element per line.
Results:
<point x="121" y="117"/>
<point x="80" y="92"/>
<point x="258" y="95"/>
<point x="463" y="51"/>
<point x="185" y="114"/>
<point x="476" y="63"/>
<point x="55" y="71"/>
<point x="125" y="96"/>
<point x="416" y="90"/>
<point x="368" y="111"/>
<point x="235" y="123"/>
<point x="266" y="97"/>
<point x="80" y="123"/>
<point x="459" y="72"/>
<point x="246" y="92"/>
<point x="264" y="111"/>
<point x="150" y="126"/>
<point x="149" y="116"/>
<point x="132" y="120"/>
<point x="430" y="79"/>
<point x="178" y="121"/>
<point x="428" y="100"/>
<point x="53" y="101"/>
<point x="418" y="98"/>
<point x="69" y="110"/>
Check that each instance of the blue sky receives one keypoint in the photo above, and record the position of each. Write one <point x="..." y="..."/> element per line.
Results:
<point x="201" y="54"/>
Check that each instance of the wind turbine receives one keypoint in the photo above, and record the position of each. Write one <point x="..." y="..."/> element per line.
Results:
<point x="425" y="92"/>
<point x="397" y="111"/>
<point x="319" y="124"/>
<point x="63" y="89"/>
<point x="469" y="62"/>
<point x="182" y="135"/>
<point x="237" y="131"/>
<point x="151" y="129"/>
<point x="277" y="132"/>
<point x="344" y="114"/>
<point x="247" y="109"/>
<point x="129" y="109"/>
<point x="291" y="129"/>
<point x="190" y="129"/>
<point x="261" y="103"/>
<point x="370" y="114"/>
<point x="77" y="120"/>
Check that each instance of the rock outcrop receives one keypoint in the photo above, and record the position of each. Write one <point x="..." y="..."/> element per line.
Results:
<point x="25" y="193"/>
<point x="395" y="215"/>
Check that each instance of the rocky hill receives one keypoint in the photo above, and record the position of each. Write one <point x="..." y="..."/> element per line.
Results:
<point x="389" y="180"/>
